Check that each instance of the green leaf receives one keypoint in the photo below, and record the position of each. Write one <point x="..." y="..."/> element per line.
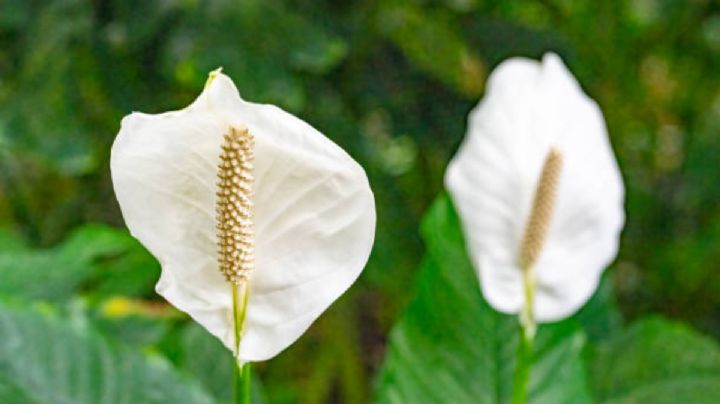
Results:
<point x="10" y="241"/>
<point x="45" y="359"/>
<point x="451" y="346"/>
<point x="108" y="255"/>
<point x="40" y="274"/>
<point x="204" y="358"/>
<point x="135" y="329"/>
<point x="601" y="317"/>
<point x="657" y="361"/>
<point x="122" y="266"/>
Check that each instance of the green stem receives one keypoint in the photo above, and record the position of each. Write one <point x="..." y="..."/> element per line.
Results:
<point x="241" y="378"/>
<point x="524" y="359"/>
<point x="246" y="379"/>
<point x="521" y="377"/>
<point x="242" y="383"/>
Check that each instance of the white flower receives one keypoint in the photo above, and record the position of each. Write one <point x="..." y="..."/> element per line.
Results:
<point x="313" y="215"/>
<point x="529" y="109"/>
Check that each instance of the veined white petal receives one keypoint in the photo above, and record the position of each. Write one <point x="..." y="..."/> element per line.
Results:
<point x="314" y="214"/>
<point x="530" y="107"/>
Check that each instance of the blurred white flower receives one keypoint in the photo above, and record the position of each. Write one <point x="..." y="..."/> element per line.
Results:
<point x="296" y="229"/>
<point x="536" y="119"/>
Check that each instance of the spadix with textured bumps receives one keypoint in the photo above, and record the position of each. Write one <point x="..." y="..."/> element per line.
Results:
<point x="236" y="197"/>
<point x="538" y="190"/>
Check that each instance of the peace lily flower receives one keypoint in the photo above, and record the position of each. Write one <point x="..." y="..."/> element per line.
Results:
<point x="538" y="191"/>
<point x="258" y="220"/>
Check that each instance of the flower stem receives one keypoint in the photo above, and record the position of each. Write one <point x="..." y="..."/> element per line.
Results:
<point x="528" y="328"/>
<point x="241" y="374"/>
<point x="242" y="383"/>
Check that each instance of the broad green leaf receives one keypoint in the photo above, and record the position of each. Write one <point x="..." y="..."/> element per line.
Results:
<point x="40" y="274"/>
<point x="134" y="329"/>
<point x="125" y="267"/>
<point x="657" y="361"/>
<point x="601" y="317"/>
<point x="203" y="357"/>
<point x="452" y="347"/>
<point x="93" y="252"/>
<point x="10" y="241"/>
<point x="206" y="359"/>
<point x="46" y="359"/>
<point x="12" y="393"/>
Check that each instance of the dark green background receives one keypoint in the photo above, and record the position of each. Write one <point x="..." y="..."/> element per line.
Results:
<point x="392" y="83"/>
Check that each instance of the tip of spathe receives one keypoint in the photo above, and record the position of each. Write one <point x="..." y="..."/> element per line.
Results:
<point x="213" y="75"/>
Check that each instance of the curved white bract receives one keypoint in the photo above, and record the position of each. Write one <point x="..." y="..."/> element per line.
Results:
<point x="314" y="214"/>
<point x="530" y="107"/>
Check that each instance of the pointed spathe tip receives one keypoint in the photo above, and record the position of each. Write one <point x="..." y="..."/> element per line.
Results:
<point x="213" y="75"/>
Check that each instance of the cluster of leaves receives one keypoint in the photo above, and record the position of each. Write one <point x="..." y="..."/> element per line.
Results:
<point x="391" y="82"/>
<point x="61" y="305"/>
<point x="451" y="346"/>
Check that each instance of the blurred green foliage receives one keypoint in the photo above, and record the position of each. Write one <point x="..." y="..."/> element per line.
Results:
<point x="451" y="346"/>
<point x="391" y="82"/>
<point x="46" y="359"/>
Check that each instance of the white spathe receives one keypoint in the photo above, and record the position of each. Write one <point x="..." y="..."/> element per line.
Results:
<point x="314" y="214"/>
<point x="528" y="108"/>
